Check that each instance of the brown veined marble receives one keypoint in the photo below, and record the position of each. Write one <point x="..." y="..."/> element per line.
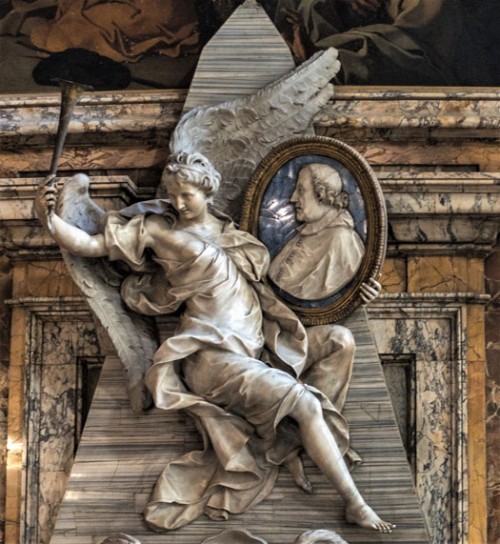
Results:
<point x="476" y="423"/>
<point x="42" y="279"/>
<point x="445" y="274"/>
<point x="393" y="278"/>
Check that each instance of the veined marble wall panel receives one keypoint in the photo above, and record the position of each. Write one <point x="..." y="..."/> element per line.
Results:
<point x="483" y="156"/>
<point x="458" y="128"/>
<point x="492" y="266"/>
<point x="118" y="131"/>
<point x="5" y="293"/>
<point x="59" y="333"/>
<point x="433" y="330"/>
<point x="130" y="130"/>
<point x="4" y="393"/>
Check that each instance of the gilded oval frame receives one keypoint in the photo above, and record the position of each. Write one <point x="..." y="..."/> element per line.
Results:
<point x="277" y="172"/>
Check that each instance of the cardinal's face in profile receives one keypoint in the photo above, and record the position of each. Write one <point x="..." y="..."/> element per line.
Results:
<point x="307" y="206"/>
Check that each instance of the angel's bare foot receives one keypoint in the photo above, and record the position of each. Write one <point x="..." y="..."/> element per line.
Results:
<point x="296" y="469"/>
<point x="364" y="516"/>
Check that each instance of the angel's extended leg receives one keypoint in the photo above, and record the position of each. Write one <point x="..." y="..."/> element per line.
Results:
<point x="321" y="446"/>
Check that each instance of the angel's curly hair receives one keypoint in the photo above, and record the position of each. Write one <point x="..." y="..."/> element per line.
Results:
<point x="194" y="168"/>
<point x="327" y="185"/>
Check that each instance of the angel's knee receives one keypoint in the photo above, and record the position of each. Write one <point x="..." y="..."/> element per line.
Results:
<point x="307" y="409"/>
<point x="342" y="339"/>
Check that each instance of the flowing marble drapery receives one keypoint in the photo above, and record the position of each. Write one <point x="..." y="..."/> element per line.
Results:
<point x="239" y="362"/>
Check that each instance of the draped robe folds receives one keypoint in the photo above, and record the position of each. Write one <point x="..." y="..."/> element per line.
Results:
<point x="320" y="259"/>
<point x="245" y="349"/>
<point x="123" y="30"/>
<point x="405" y="42"/>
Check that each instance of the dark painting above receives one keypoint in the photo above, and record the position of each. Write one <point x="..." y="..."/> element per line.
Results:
<point x="318" y="207"/>
<point x="380" y="42"/>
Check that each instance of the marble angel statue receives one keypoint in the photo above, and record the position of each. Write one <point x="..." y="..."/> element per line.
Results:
<point x="259" y="386"/>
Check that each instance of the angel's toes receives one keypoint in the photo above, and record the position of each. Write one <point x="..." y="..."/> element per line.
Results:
<point x="365" y="517"/>
<point x="305" y="485"/>
<point x="385" y="527"/>
<point x="296" y="469"/>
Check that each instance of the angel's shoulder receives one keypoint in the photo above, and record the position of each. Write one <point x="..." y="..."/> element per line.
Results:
<point x="157" y="221"/>
<point x="155" y="225"/>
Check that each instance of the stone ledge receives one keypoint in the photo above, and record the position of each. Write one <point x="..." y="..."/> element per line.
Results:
<point x="137" y="112"/>
<point x="17" y="194"/>
<point x="21" y="235"/>
<point x="436" y="208"/>
<point x="424" y="300"/>
<point x="435" y="213"/>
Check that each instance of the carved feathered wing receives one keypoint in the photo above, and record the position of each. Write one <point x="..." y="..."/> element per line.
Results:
<point x="132" y="335"/>
<point x="235" y="136"/>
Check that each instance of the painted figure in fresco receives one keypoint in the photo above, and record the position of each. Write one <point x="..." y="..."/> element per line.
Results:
<point x="122" y="30"/>
<point x="240" y="359"/>
<point x="397" y="42"/>
<point x="380" y="42"/>
<point x="326" y="252"/>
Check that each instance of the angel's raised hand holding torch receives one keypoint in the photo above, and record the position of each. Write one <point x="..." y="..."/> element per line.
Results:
<point x="45" y="202"/>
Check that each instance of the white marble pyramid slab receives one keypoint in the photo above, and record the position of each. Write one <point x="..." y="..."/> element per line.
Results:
<point x="121" y="455"/>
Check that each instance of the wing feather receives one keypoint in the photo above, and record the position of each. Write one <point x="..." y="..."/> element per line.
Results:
<point x="235" y="136"/>
<point x="131" y="334"/>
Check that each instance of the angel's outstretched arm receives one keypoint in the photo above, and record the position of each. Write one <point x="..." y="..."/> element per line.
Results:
<point x="69" y="237"/>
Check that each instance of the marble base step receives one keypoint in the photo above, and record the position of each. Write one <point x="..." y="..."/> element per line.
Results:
<point x="121" y="455"/>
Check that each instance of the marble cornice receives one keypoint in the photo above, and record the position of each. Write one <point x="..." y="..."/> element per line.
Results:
<point x="32" y="119"/>
<point x="395" y="249"/>
<point x="17" y="194"/>
<point x="430" y="299"/>
<point x="435" y="213"/>
<point x="49" y="304"/>
<point x="439" y="212"/>
<point x="425" y="108"/>
<point x="99" y="118"/>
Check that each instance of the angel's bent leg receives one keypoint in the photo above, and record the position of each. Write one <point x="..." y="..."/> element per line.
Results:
<point x="330" y="361"/>
<point x="321" y="446"/>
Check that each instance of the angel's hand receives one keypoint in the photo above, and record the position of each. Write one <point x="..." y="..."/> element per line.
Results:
<point x="45" y="201"/>
<point x="370" y="290"/>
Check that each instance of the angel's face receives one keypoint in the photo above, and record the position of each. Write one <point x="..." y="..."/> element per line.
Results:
<point x="189" y="201"/>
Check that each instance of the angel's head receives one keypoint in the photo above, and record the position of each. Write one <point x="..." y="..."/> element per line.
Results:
<point x="191" y="181"/>
<point x="195" y="169"/>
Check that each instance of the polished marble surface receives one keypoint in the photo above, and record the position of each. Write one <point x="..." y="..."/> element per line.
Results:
<point x="121" y="455"/>
<point x="432" y="329"/>
<point x="492" y="274"/>
<point x="432" y="264"/>
<point x="397" y="130"/>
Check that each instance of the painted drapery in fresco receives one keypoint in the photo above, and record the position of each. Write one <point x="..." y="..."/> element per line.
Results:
<point x="397" y="42"/>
